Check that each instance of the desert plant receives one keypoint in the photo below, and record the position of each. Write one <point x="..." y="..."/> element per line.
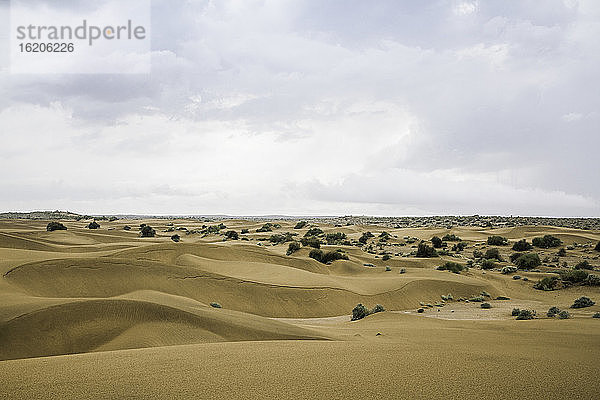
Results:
<point x="327" y="257"/>
<point x="597" y="315"/>
<point x="528" y="261"/>
<point x="402" y="270"/>
<point x="546" y="241"/>
<point x="597" y="248"/>
<point x="359" y="312"/>
<point x="126" y="228"/>
<point x="335" y="238"/>
<point x="176" y="238"/>
<point x="300" y="225"/>
<point x="564" y="315"/>
<point x="496" y="240"/>
<point x="584" y="265"/>
<point x="492" y="254"/>
<point x="477" y="299"/>
<point x="522" y="245"/>
<point x="515" y="312"/>
<point x="377" y="308"/>
<point x="562" y="252"/>
<point x="486" y="305"/>
<point x="548" y="283"/>
<point x="436" y="242"/>
<point x="386" y="257"/>
<point x="233" y="235"/>
<point x="55" y="226"/>
<point x="526" y="314"/>
<point x="215" y="305"/>
<point x="592" y="280"/>
<point x="553" y="311"/>
<point x="365" y="237"/>
<point x="388" y="268"/>
<point x="425" y="251"/>
<point x="313" y="232"/>
<point x="292" y="248"/>
<point x="147" y="231"/>
<point x="516" y="277"/>
<point x="477" y="253"/>
<point x="268" y="227"/>
<point x="583" y="302"/>
<point x="311" y="241"/>
<point x="281" y="238"/>
<point x="384" y="236"/>
<point x="488" y="264"/>
<point x="458" y="247"/>
<point x="93" y="225"/>
<point x="452" y="267"/>
<point x="574" y="275"/>
<point x="244" y="231"/>
<point x="451" y="238"/>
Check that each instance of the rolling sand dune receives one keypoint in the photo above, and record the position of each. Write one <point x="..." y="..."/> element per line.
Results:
<point x="124" y="316"/>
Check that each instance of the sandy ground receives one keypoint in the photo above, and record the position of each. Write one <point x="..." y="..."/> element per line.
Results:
<point x="106" y="314"/>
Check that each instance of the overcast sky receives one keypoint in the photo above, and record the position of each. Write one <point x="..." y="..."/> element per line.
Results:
<point x="321" y="108"/>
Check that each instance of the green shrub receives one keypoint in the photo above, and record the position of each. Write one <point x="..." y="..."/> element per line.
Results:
<point x="311" y="241"/>
<point x="327" y="257"/>
<point x="583" y="302"/>
<point x="436" y="242"/>
<point x="365" y="237"/>
<point x="477" y="299"/>
<point x="597" y="248"/>
<point x="233" y="235"/>
<point x="496" y="240"/>
<point x="593" y="280"/>
<point x="335" y="238"/>
<point x="552" y="312"/>
<point x="526" y="314"/>
<point x="300" y="225"/>
<point x="176" y="238"/>
<point x="359" y="312"/>
<point x="425" y="251"/>
<point x="522" y="245"/>
<point x="452" y="267"/>
<point x="547" y="283"/>
<point x="486" y="305"/>
<point x="451" y="238"/>
<point x="574" y="276"/>
<point x="215" y="305"/>
<point x="384" y="236"/>
<point x="377" y="308"/>
<point x="93" y="225"/>
<point x="502" y="298"/>
<point x="584" y="265"/>
<point x="477" y="253"/>
<point x="292" y="248"/>
<point x="147" y="231"/>
<point x="492" y="254"/>
<point x="458" y="247"/>
<point x="313" y="232"/>
<point x="386" y="257"/>
<point x="268" y="227"/>
<point x="597" y="315"/>
<point x="546" y="241"/>
<point x="564" y="315"/>
<point x="488" y="264"/>
<point x="55" y="226"/>
<point x="281" y="238"/>
<point x="515" y="312"/>
<point x="244" y="231"/>
<point x="126" y="228"/>
<point x="562" y="252"/>
<point x="528" y="261"/>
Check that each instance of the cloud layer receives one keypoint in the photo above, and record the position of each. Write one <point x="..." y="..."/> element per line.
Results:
<point x="264" y="107"/>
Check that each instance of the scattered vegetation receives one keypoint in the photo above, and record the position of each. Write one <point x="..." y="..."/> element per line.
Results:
<point x="527" y="261"/>
<point x="525" y="314"/>
<point x="522" y="245"/>
<point x="451" y="238"/>
<point x="477" y="253"/>
<point x="553" y="311"/>
<point x="452" y="267"/>
<point x="147" y="231"/>
<point x="268" y="227"/>
<point x="458" y="247"/>
<point x="562" y="252"/>
<point x="564" y="314"/>
<point x="546" y="241"/>
<point x="548" y="283"/>
<point x="313" y="232"/>
<point x="583" y="302"/>
<point x="584" y="265"/>
<point x="436" y="242"/>
<point x="597" y="315"/>
<point x="365" y="237"/>
<point x="300" y="225"/>
<point x="496" y="240"/>
<point x="292" y="248"/>
<point x="55" y="226"/>
<point x="597" y="248"/>
<point x="233" y="235"/>
<point x="509" y="269"/>
<point x="488" y="264"/>
<point x="574" y="275"/>
<point x="492" y="254"/>
<point x="280" y="238"/>
<point x="311" y="241"/>
<point x="361" y="311"/>
<point x="425" y="251"/>
<point x="335" y="238"/>
<point x="386" y="257"/>
<point x="93" y="225"/>
<point x="327" y="257"/>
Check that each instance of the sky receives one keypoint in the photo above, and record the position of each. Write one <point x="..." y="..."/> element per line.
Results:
<point x="320" y="108"/>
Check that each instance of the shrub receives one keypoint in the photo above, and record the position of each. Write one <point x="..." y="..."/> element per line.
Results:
<point x="496" y="240"/>
<point x="281" y="238"/>
<point x="564" y="315"/>
<point x="486" y="305"/>
<point x="492" y="254"/>
<point x="562" y="252"/>
<point x="528" y="261"/>
<point x="546" y="241"/>
<point x="526" y="314"/>
<point x="384" y="236"/>
<point x="359" y="312"/>
<point x="452" y="267"/>
<point x="147" y="231"/>
<point x="597" y="315"/>
<point x="244" y="231"/>
<point x="515" y="312"/>
<point x="176" y="238"/>
<point x="55" y="226"/>
<point x="93" y="225"/>
<point x="127" y="228"/>
<point x="458" y="247"/>
<point x="327" y="257"/>
<point x="574" y="276"/>
<point x="477" y="299"/>
<point x="215" y="305"/>
<point x="583" y="302"/>
<point x="522" y="245"/>
<point x="335" y="238"/>
<point x="584" y="265"/>
<point x="377" y="308"/>
<point x="488" y="264"/>
<point x="365" y="237"/>
<point x="313" y="232"/>
<point x="425" y="251"/>
<point x="402" y="270"/>
<point x="420" y="310"/>
<point x="597" y="248"/>
<point x="268" y="227"/>
<point x="502" y="298"/>
<point x="292" y="248"/>
<point x="437" y="242"/>
<point x="593" y="280"/>
<point x="311" y="241"/>
<point x="547" y="283"/>
<point x="388" y="269"/>
<point x="553" y="311"/>
<point x="451" y="238"/>
<point x="386" y="257"/>
<point x="233" y="235"/>
<point x="477" y="253"/>
<point x="300" y="225"/>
